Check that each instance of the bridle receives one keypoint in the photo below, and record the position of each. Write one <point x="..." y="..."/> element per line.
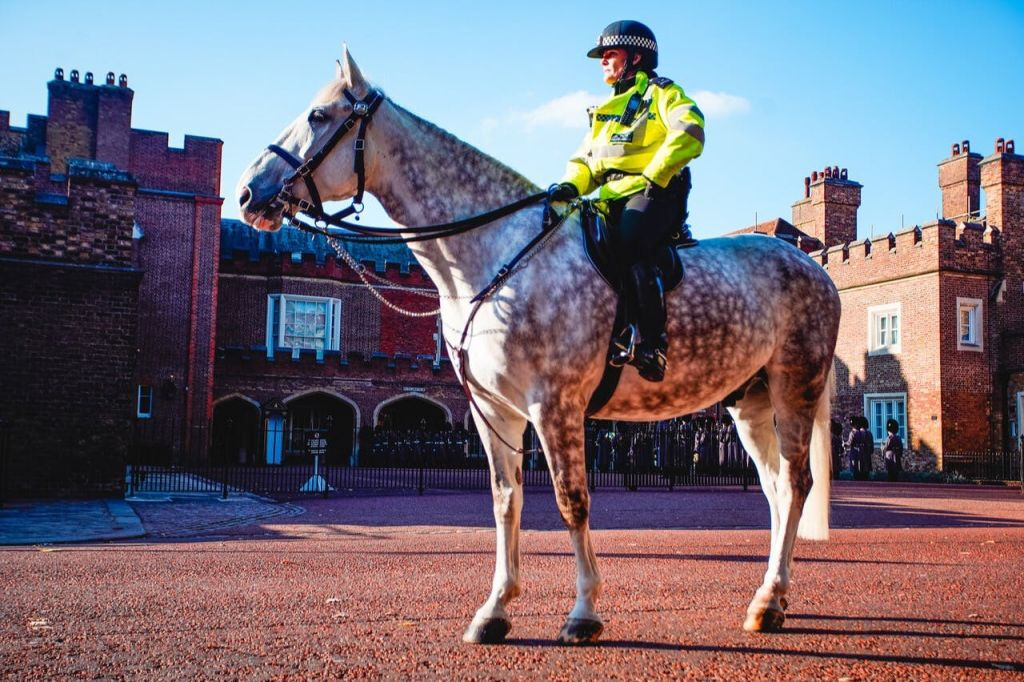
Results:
<point x="362" y="112"/>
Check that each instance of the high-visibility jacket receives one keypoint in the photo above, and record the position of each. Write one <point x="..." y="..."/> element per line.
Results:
<point x="663" y="130"/>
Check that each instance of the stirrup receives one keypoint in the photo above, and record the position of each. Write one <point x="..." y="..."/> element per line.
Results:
<point x="623" y="349"/>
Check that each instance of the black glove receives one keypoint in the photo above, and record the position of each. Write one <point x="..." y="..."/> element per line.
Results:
<point x="565" y="191"/>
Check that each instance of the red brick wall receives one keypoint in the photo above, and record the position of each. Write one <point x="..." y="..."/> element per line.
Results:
<point x="959" y="181"/>
<point x="67" y="355"/>
<point x="93" y="224"/>
<point x="195" y="169"/>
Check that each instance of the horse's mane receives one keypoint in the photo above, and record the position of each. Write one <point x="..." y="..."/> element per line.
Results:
<point x="502" y="173"/>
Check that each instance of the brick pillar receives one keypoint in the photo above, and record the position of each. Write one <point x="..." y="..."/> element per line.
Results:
<point x="1002" y="178"/>
<point x="70" y="121"/>
<point x="959" y="180"/>
<point x="828" y="211"/>
<point x="114" y="122"/>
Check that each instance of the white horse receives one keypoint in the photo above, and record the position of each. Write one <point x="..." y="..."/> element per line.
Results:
<point x="753" y="314"/>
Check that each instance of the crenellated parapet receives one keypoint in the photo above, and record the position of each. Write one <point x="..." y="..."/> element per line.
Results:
<point x="942" y="244"/>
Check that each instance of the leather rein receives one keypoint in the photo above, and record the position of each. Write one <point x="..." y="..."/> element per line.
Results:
<point x="323" y="222"/>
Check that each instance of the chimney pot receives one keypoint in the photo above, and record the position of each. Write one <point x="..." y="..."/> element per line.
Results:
<point x="807" y="187"/>
<point x="1009" y="146"/>
<point x="814" y="176"/>
<point x="956" y="149"/>
<point x="835" y="172"/>
<point x="110" y="77"/>
<point x="59" y="74"/>
<point x="828" y="172"/>
<point x="74" y="75"/>
<point x="88" y="78"/>
<point x="844" y="174"/>
<point x="966" y="146"/>
<point x="123" y="81"/>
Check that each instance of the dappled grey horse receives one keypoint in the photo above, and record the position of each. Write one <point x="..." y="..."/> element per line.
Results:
<point x="755" y="319"/>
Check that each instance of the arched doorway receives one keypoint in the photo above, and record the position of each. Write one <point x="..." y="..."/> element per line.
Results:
<point x="236" y="421"/>
<point x="412" y="412"/>
<point x="330" y="416"/>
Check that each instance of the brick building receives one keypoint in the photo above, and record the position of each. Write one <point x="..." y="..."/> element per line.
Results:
<point x="305" y="346"/>
<point x="134" y="314"/>
<point x="932" y="332"/>
<point x="108" y="249"/>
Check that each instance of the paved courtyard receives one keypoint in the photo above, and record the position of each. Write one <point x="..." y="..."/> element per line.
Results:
<point x="918" y="582"/>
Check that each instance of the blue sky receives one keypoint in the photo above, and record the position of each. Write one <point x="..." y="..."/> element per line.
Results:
<point x="880" y="88"/>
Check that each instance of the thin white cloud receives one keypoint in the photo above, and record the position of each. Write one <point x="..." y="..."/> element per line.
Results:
<point x="567" y="111"/>
<point x="720" y="104"/>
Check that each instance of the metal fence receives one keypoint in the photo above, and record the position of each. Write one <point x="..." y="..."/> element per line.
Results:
<point x="289" y="462"/>
<point x="985" y="465"/>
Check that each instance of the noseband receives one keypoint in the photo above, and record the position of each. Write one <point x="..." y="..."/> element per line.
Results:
<point x="362" y="111"/>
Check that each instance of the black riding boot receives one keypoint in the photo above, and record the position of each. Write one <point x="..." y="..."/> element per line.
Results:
<point x="652" y="350"/>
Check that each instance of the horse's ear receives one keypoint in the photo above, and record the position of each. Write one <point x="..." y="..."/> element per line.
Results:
<point x="349" y="72"/>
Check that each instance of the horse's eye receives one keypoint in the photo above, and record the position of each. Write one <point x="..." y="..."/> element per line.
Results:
<point x="318" y="116"/>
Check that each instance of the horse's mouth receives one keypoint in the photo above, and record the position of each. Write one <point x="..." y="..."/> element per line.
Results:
<point x="267" y="218"/>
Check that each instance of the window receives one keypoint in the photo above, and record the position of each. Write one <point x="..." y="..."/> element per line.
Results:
<point x="300" y="322"/>
<point x="885" y="331"/>
<point x="144" y="402"/>
<point x="969" y="318"/>
<point x="880" y="408"/>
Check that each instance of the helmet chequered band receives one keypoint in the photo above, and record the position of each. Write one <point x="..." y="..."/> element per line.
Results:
<point x="627" y="41"/>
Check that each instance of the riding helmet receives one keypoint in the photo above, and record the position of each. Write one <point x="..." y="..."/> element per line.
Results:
<point x="631" y="35"/>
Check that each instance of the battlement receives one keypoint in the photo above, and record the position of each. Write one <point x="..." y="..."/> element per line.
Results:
<point x="942" y="244"/>
<point x="83" y="216"/>
<point x="193" y="168"/>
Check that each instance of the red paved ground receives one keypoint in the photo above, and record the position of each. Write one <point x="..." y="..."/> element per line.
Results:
<point x="380" y="587"/>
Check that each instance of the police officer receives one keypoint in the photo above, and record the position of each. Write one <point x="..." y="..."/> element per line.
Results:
<point x="640" y="140"/>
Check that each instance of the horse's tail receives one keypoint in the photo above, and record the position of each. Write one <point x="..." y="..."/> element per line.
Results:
<point x="814" y="520"/>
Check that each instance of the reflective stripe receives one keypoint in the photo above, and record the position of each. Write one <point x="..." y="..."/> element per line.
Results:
<point x="606" y="117"/>
<point x="693" y="130"/>
<point x="611" y="151"/>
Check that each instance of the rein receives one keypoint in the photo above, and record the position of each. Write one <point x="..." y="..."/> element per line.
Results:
<point x="321" y="222"/>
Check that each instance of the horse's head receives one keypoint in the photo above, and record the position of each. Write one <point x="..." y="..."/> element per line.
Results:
<point x="260" y="188"/>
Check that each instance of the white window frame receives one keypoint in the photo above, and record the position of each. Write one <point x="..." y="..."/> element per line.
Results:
<point x="140" y="391"/>
<point x="869" y="398"/>
<point x="877" y="313"/>
<point x="275" y="333"/>
<point x="976" y="305"/>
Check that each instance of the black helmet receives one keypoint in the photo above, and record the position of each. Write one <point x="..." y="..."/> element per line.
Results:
<point x="631" y="35"/>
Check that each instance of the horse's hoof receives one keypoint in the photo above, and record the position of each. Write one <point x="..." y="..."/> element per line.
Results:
<point x="580" y="631"/>
<point x="490" y="631"/>
<point x="767" y="620"/>
<point x="784" y="602"/>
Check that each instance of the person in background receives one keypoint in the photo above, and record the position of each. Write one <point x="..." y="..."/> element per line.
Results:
<point x="867" y="448"/>
<point x="853" y="448"/>
<point x="892" y="451"/>
<point x="837" y="448"/>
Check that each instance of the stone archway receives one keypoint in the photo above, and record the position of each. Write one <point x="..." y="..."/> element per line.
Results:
<point x="317" y="412"/>
<point x="410" y="411"/>
<point x="236" y="422"/>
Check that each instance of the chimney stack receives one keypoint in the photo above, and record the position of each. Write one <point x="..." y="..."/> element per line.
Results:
<point x="959" y="180"/>
<point x="828" y="211"/>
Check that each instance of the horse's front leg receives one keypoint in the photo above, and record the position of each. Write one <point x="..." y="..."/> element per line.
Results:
<point x="560" y="429"/>
<point x="491" y="622"/>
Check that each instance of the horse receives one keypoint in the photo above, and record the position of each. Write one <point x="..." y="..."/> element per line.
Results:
<point x="754" y="319"/>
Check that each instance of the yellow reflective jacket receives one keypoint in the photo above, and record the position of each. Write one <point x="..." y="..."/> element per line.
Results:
<point x="666" y="131"/>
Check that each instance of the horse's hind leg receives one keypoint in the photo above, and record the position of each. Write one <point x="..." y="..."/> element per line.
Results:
<point x="560" y="430"/>
<point x="798" y="397"/>
<point x="491" y="623"/>
<point x="755" y="425"/>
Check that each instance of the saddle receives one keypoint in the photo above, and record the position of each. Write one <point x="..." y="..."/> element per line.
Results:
<point x="601" y="247"/>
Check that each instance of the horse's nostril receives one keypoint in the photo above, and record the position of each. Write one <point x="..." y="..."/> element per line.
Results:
<point x="244" y="197"/>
